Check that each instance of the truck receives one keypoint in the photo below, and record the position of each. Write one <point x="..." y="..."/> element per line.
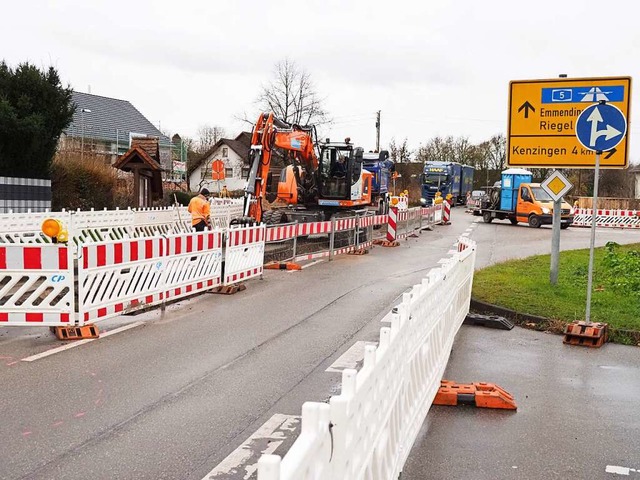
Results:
<point x="446" y="178"/>
<point x="516" y="199"/>
<point x="381" y="167"/>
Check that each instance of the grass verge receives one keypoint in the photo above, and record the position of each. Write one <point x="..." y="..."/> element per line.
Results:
<point x="523" y="286"/>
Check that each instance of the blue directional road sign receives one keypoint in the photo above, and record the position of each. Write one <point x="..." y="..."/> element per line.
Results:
<point x="601" y="126"/>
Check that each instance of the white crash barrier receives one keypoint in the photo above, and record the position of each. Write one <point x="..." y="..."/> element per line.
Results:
<point x="607" y="218"/>
<point x="36" y="285"/>
<point x="244" y="253"/>
<point x="367" y="431"/>
<point x="225" y="210"/>
<point x="115" y="277"/>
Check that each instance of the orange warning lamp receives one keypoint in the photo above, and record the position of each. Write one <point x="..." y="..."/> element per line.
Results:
<point x="394" y="201"/>
<point x="55" y="230"/>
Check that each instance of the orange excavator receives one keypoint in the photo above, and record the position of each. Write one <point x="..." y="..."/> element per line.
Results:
<point x="323" y="178"/>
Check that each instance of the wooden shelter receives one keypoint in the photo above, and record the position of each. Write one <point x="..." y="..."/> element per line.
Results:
<point x="143" y="160"/>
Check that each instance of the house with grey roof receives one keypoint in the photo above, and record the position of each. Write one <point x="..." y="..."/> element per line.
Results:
<point x="105" y="126"/>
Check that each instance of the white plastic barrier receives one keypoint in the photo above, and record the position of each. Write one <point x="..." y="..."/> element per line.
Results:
<point x="244" y="253"/>
<point x="116" y="277"/>
<point x="607" y="218"/>
<point x="224" y="210"/>
<point x="36" y="285"/>
<point x="367" y="431"/>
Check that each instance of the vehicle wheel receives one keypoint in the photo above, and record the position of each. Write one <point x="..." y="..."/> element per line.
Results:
<point x="514" y="221"/>
<point x="534" y="221"/>
<point x="564" y="226"/>
<point x="273" y="217"/>
<point x="486" y="217"/>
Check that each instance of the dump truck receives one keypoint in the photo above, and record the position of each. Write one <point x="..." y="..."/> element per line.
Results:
<point x="516" y="199"/>
<point x="382" y="167"/>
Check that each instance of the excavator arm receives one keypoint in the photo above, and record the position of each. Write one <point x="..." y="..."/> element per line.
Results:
<point x="269" y="133"/>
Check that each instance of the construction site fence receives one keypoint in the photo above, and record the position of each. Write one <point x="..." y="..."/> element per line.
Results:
<point x="607" y="218"/>
<point x="103" y="225"/>
<point x="367" y="431"/>
<point x="74" y="284"/>
<point x="40" y="286"/>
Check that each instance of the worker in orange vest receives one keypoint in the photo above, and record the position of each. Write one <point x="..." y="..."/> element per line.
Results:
<point x="200" y="211"/>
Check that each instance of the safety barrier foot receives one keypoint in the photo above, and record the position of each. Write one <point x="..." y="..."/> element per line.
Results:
<point x="229" y="289"/>
<point x="387" y="243"/>
<point x="359" y="251"/>
<point x="490" y="321"/>
<point x="76" y="333"/>
<point x="479" y="394"/>
<point x="283" y="266"/>
<point x="586" y="334"/>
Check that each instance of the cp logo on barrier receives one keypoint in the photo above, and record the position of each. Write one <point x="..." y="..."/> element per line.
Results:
<point x="57" y="278"/>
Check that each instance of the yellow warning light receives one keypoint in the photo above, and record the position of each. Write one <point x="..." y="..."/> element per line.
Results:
<point x="51" y="227"/>
<point x="63" y="236"/>
<point x="394" y="201"/>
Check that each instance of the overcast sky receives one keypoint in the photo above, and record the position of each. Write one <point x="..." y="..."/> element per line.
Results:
<point x="432" y="67"/>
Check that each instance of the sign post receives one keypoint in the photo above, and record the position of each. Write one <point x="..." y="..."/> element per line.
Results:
<point x="556" y="185"/>
<point x="600" y="128"/>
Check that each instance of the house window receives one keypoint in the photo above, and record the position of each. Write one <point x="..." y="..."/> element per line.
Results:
<point x="225" y="152"/>
<point x="228" y="172"/>
<point x="245" y="172"/>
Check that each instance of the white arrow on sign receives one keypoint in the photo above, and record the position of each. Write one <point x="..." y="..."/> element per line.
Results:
<point x="609" y="132"/>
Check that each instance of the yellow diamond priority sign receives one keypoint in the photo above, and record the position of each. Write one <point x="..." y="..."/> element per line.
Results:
<point x="556" y="185"/>
<point x="543" y="116"/>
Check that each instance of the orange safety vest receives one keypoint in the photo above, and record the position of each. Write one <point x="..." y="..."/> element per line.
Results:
<point x="199" y="209"/>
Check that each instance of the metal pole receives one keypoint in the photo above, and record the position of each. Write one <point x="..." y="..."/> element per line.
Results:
<point x="555" y="242"/>
<point x="378" y="131"/>
<point x="332" y="237"/>
<point x="82" y="142"/>
<point x="295" y="240"/>
<point x="594" y="209"/>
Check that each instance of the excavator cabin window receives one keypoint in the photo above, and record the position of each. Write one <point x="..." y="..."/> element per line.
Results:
<point x="335" y="166"/>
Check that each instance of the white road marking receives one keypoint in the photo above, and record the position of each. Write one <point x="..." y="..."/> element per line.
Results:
<point x="465" y="234"/>
<point x="620" y="470"/>
<point x="77" y="343"/>
<point x="350" y="358"/>
<point x="242" y="463"/>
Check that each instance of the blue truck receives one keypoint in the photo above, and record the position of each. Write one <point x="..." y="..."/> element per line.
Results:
<point x="382" y="167"/>
<point x="446" y="178"/>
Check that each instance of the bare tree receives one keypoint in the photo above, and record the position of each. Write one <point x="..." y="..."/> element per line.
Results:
<point x="292" y="96"/>
<point x="399" y="153"/>
<point x="207" y="137"/>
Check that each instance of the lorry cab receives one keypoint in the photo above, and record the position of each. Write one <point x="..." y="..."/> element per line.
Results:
<point x="535" y="207"/>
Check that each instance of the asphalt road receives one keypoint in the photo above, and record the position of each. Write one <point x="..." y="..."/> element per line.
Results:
<point x="174" y="396"/>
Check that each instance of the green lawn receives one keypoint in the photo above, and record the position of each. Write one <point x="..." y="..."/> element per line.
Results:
<point x="523" y="286"/>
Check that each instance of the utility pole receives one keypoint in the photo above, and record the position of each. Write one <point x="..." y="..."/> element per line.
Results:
<point x="378" y="131"/>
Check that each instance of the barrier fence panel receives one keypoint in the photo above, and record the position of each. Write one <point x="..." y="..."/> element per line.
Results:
<point x="193" y="263"/>
<point x="373" y="423"/>
<point x="364" y="233"/>
<point x="99" y="225"/>
<point x="244" y="253"/>
<point x="607" y="218"/>
<point x="118" y="276"/>
<point x="149" y="222"/>
<point x="225" y="210"/>
<point x="281" y="243"/>
<point x="36" y="285"/>
<point x="344" y="235"/>
<point x="25" y="227"/>
<point x="313" y="240"/>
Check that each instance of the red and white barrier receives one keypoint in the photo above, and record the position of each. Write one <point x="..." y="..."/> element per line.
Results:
<point x="116" y="277"/>
<point x="244" y="254"/>
<point x="314" y="228"/>
<point x="36" y="285"/>
<point x="446" y="212"/>
<point x="392" y="226"/>
<point x="607" y="218"/>
<point x="279" y="233"/>
<point x="193" y="263"/>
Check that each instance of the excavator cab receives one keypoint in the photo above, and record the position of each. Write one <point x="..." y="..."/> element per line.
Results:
<point x="340" y="172"/>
